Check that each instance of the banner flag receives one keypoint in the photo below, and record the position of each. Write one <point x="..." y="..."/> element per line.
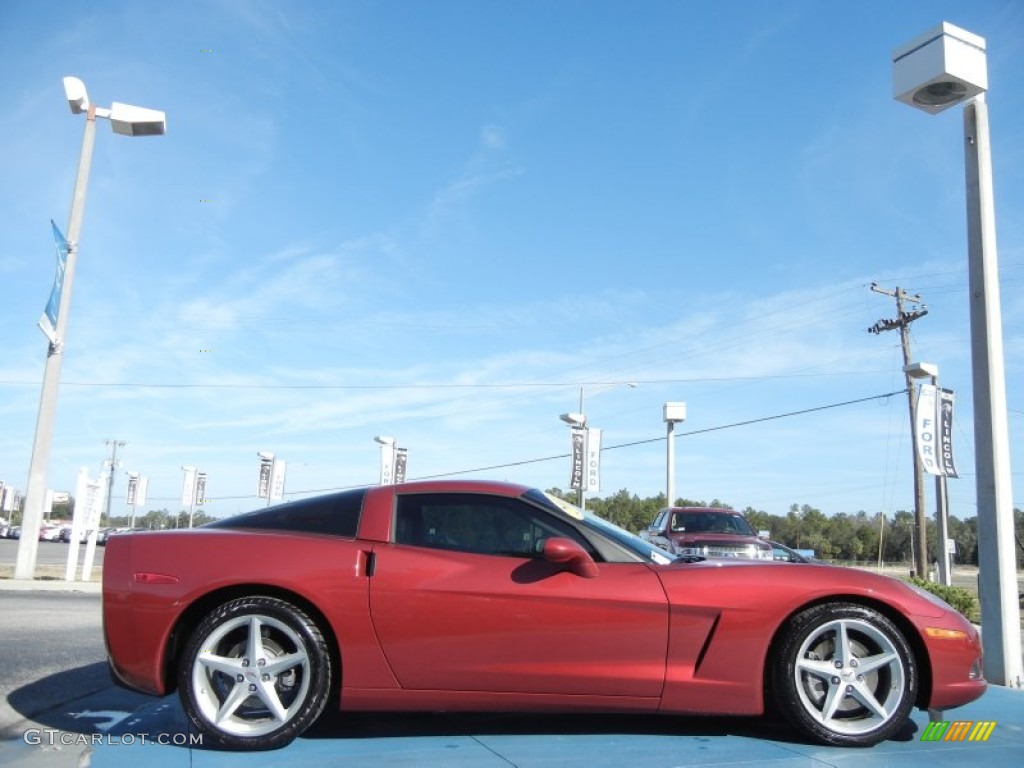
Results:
<point x="48" y="321"/>
<point x="578" y="437"/>
<point x="387" y="464"/>
<point x="401" y="459"/>
<point x="140" y="493"/>
<point x="593" y="460"/>
<point x="201" y="488"/>
<point x="188" y="488"/>
<point x="927" y="430"/>
<point x="935" y="430"/>
<point x="133" y="489"/>
<point x="263" y="487"/>
<point x="277" y="480"/>
<point x="945" y="419"/>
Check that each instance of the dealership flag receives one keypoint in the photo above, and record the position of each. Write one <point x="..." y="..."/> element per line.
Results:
<point x="387" y="464"/>
<point x="935" y="430"/>
<point x="593" y="460"/>
<point x="401" y="459"/>
<point x="944" y="414"/>
<point x="277" y="480"/>
<point x="133" y="489"/>
<point x="188" y="488"/>
<point x="579" y="440"/>
<point x="48" y="322"/>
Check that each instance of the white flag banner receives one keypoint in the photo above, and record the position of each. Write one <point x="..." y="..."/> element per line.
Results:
<point x="140" y="493"/>
<point x="593" y="460"/>
<point x="927" y="430"/>
<point x="277" y="480"/>
<point x="387" y="464"/>
<point x="579" y="440"/>
<point x="133" y="490"/>
<point x="188" y="488"/>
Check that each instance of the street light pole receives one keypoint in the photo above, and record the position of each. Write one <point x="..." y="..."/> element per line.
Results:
<point x="946" y="66"/>
<point x="673" y="413"/>
<point x="129" y="121"/>
<point x="35" y="493"/>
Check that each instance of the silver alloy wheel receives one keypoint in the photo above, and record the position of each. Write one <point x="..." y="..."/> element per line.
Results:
<point x="849" y="676"/>
<point x="252" y="675"/>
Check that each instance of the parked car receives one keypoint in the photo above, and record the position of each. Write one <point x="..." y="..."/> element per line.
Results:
<point x="49" y="532"/>
<point x="783" y="554"/>
<point x="706" y="532"/>
<point x="470" y="595"/>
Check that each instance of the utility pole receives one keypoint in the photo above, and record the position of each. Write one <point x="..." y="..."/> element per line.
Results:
<point x="114" y="445"/>
<point x="902" y="322"/>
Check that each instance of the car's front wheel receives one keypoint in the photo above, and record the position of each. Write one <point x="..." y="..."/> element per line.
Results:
<point x="255" y="674"/>
<point x="845" y="675"/>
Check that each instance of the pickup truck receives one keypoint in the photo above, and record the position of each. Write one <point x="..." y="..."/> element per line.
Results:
<point x="708" y="532"/>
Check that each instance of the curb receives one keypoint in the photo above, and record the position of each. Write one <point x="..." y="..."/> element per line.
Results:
<point x="50" y="585"/>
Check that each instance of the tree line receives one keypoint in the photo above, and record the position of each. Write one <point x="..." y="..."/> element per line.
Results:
<point x="840" y="537"/>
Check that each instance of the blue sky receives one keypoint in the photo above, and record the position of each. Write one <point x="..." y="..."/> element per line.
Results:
<point x="438" y="220"/>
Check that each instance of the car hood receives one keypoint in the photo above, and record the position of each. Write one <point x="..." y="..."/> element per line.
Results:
<point x="746" y="583"/>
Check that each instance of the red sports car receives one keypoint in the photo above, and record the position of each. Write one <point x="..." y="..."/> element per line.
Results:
<point x="476" y="595"/>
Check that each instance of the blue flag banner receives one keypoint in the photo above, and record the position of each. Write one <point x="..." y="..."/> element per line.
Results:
<point x="48" y="322"/>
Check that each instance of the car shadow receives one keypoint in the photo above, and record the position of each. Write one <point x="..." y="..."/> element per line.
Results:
<point x="85" y="700"/>
<point x="362" y="725"/>
<point x="79" y="700"/>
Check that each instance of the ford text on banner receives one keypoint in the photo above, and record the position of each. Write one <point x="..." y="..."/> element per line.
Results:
<point x="945" y="418"/>
<point x="387" y="464"/>
<point x="48" y="321"/>
<point x="927" y="430"/>
<point x="579" y="440"/>
<point x="277" y="480"/>
<point x="593" y="460"/>
<point x="200" y="497"/>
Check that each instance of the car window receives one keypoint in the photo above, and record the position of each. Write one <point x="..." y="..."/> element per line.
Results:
<point x="487" y="525"/>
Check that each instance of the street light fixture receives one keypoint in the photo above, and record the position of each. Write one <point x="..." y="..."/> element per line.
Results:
<point x="128" y="121"/>
<point x="943" y="67"/>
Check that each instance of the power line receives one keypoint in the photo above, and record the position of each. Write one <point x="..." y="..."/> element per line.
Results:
<point x="540" y="460"/>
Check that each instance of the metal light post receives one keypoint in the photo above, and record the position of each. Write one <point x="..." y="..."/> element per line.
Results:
<point x="128" y="121"/>
<point x="673" y="413"/>
<point x="931" y="372"/>
<point x="941" y="68"/>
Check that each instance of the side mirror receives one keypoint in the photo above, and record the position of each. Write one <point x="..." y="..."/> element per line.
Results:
<point x="567" y="552"/>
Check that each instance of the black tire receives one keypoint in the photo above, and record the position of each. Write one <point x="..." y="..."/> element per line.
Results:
<point x="255" y="674"/>
<point x="852" y="699"/>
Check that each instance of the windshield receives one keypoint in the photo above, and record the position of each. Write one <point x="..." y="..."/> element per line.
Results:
<point x="646" y="550"/>
<point x="712" y="522"/>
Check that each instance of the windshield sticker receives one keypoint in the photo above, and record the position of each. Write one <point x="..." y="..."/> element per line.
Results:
<point x="565" y="506"/>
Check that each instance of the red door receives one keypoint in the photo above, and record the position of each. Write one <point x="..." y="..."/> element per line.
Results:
<point x="457" y="620"/>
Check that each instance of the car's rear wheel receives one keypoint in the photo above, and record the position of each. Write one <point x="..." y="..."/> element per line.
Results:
<point x="255" y="674"/>
<point x="844" y="675"/>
